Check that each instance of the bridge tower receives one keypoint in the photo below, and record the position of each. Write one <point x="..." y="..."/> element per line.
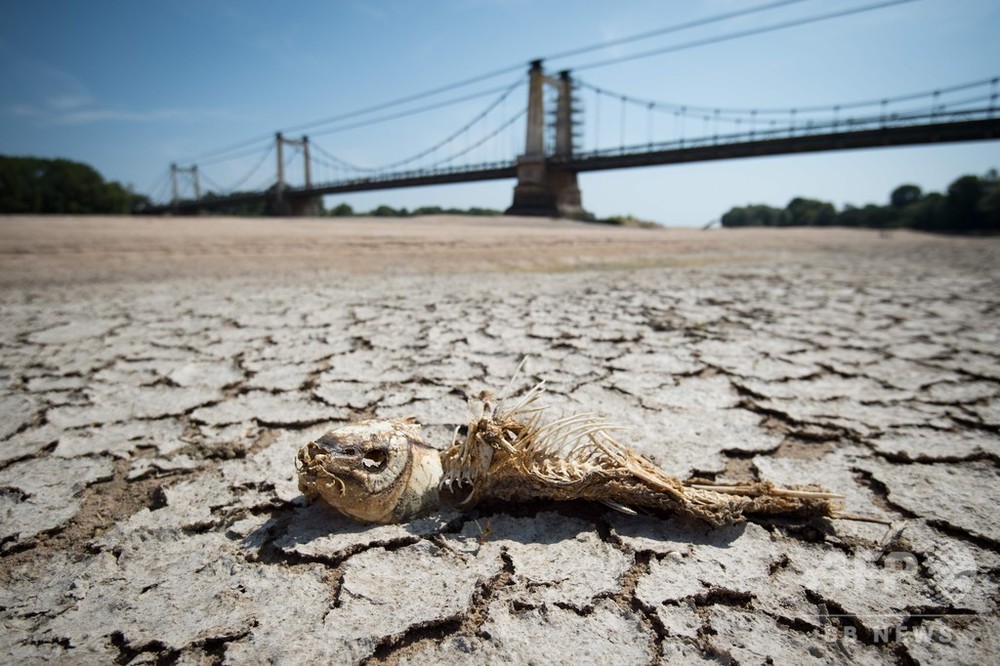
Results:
<point x="284" y="203"/>
<point x="192" y="170"/>
<point x="541" y="190"/>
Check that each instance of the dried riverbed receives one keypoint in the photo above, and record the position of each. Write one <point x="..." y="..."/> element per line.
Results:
<point x="157" y="381"/>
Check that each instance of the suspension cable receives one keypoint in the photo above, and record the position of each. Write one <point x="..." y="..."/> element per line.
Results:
<point x="741" y="33"/>
<point x="440" y="144"/>
<point x="410" y="112"/>
<point x="697" y="23"/>
<point x="510" y="121"/>
<point x="160" y="183"/>
<point x="211" y="181"/>
<point x="699" y="111"/>
<point x="623" y="111"/>
<point x="239" y="183"/>
<point x="295" y="152"/>
<point x="228" y="158"/>
<point x="337" y="162"/>
<point x="201" y="158"/>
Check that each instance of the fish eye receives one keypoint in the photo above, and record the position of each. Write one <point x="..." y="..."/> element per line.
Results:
<point x="375" y="460"/>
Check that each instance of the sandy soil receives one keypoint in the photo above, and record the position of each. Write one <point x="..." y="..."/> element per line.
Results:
<point x="53" y="250"/>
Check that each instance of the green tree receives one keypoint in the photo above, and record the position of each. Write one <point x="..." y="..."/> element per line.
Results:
<point x="851" y="216"/>
<point x="387" y="211"/>
<point x="35" y="185"/>
<point x="754" y="215"/>
<point x="904" y="195"/>
<point x="989" y="204"/>
<point x="928" y="214"/>
<point x="735" y="217"/>
<point x="802" y="212"/>
<point x="342" y="210"/>
<point x="971" y="205"/>
<point x="962" y="204"/>
<point x="486" y="212"/>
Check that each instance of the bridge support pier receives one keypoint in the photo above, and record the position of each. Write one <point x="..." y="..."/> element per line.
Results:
<point x="285" y="206"/>
<point x="308" y="207"/>
<point x="541" y="190"/>
<point x="547" y="193"/>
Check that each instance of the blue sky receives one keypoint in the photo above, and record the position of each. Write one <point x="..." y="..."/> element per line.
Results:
<point x="130" y="87"/>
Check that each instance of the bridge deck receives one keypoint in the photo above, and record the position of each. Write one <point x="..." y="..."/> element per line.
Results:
<point x="970" y="130"/>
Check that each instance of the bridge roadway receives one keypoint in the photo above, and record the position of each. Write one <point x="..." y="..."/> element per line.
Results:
<point x="697" y="150"/>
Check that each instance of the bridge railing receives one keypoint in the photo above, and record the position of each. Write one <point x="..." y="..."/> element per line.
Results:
<point x="411" y="174"/>
<point x="808" y="128"/>
<point x="375" y="179"/>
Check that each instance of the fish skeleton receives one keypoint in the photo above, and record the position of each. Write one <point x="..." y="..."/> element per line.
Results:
<point x="381" y="470"/>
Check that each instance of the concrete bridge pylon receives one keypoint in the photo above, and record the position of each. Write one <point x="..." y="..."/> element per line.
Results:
<point x="175" y="170"/>
<point x="283" y="204"/>
<point x="540" y="190"/>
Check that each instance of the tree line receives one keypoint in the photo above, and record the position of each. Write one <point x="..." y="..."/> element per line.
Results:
<point x="971" y="205"/>
<point x="59" y="186"/>
<point x="345" y="210"/>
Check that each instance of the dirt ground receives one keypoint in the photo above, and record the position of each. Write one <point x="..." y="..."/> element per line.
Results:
<point x="159" y="374"/>
<point x="50" y="250"/>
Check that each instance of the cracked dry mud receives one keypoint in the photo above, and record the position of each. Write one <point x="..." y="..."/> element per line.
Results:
<point x="150" y="511"/>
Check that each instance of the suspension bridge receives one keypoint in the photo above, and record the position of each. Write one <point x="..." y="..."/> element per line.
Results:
<point x="543" y="143"/>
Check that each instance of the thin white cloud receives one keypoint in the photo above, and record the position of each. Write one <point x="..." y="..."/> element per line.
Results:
<point x="88" y="116"/>
<point x="51" y="86"/>
<point x="52" y="96"/>
<point x="22" y="110"/>
<point x="93" y="115"/>
<point x="67" y="101"/>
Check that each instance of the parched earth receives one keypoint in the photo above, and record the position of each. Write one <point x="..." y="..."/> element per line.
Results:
<point x="154" y="393"/>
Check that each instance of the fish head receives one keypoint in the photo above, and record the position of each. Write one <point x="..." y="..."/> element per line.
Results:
<point x="361" y="469"/>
